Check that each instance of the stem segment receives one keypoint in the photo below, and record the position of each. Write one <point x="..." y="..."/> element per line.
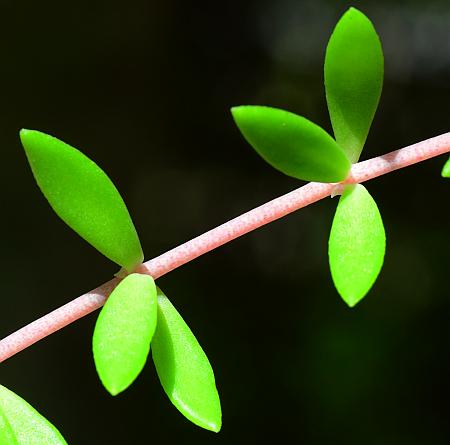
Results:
<point x="272" y="210"/>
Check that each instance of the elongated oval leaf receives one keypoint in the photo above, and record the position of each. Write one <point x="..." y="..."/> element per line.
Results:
<point x="26" y="424"/>
<point x="83" y="197"/>
<point x="357" y="244"/>
<point x="183" y="369"/>
<point x="446" y="169"/>
<point x="7" y="436"/>
<point x="292" y="144"/>
<point x="124" y="329"/>
<point x="353" y="80"/>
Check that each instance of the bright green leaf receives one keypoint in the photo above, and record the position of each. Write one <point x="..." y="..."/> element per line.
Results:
<point x="446" y="169"/>
<point x="83" y="197"/>
<point x="357" y="244"/>
<point x="183" y="368"/>
<point x="123" y="332"/>
<point x="7" y="436"/>
<point x="27" y="425"/>
<point x="353" y="80"/>
<point x="292" y="144"/>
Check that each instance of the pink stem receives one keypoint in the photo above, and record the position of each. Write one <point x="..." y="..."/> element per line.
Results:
<point x="277" y="208"/>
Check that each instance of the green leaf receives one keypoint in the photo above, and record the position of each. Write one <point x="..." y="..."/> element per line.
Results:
<point x="7" y="436"/>
<point x="184" y="369"/>
<point x="446" y="170"/>
<point x="357" y="244"/>
<point x="26" y="424"/>
<point x="353" y="80"/>
<point x="123" y="332"/>
<point x="83" y="197"/>
<point x="292" y="144"/>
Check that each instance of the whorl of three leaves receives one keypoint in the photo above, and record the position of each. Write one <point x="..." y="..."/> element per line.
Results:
<point x="353" y="73"/>
<point x="86" y="199"/>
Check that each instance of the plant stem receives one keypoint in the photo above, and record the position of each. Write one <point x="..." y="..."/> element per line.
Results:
<point x="275" y="209"/>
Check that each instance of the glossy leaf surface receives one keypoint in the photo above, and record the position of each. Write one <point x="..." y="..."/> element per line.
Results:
<point x="354" y="69"/>
<point x="27" y="425"/>
<point x="83" y="197"/>
<point x="183" y="368"/>
<point x="292" y="144"/>
<point x="124" y="329"/>
<point x="357" y="244"/>
<point x="446" y="169"/>
<point x="7" y="436"/>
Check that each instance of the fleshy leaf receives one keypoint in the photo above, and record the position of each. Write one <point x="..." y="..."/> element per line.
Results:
<point x="26" y="424"/>
<point x="123" y="332"/>
<point x="292" y="144"/>
<point x="357" y="244"/>
<point x="353" y="80"/>
<point x="446" y="169"/>
<point x="84" y="197"/>
<point x="7" y="436"/>
<point x="183" y="368"/>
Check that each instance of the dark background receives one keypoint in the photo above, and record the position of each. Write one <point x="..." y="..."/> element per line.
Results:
<point x="144" y="88"/>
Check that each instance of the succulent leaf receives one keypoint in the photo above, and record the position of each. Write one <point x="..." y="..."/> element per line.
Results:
<point x="292" y="144"/>
<point x="84" y="197"/>
<point x="123" y="332"/>
<point x="183" y="368"/>
<point x="354" y="69"/>
<point x="357" y="244"/>
<point x="23" y="424"/>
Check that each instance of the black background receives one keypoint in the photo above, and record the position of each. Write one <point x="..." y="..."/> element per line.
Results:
<point x="144" y="88"/>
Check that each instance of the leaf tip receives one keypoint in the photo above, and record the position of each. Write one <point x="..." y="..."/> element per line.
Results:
<point x="215" y="426"/>
<point x="237" y="111"/>
<point x="352" y="301"/>
<point x="354" y="12"/>
<point x="24" y="135"/>
<point x="114" y="386"/>
<point x="114" y="390"/>
<point x="211" y="423"/>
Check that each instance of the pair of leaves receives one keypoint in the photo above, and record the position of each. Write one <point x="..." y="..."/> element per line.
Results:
<point x="137" y="313"/>
<point x="21" y="424"/>
<point x="353" y="82"/>
<point x="86" y="199"/>
<point x="297" y="147"/>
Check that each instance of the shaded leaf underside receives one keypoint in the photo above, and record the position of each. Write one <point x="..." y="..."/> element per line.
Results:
<point x="183" y="368"/>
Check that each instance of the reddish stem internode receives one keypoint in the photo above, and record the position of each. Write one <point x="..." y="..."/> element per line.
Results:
<point x="260" y="216"/>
